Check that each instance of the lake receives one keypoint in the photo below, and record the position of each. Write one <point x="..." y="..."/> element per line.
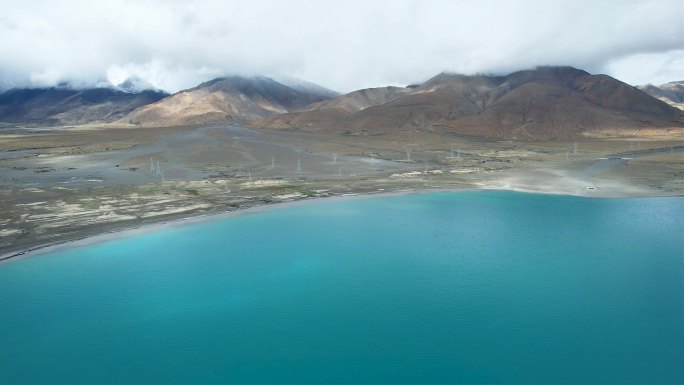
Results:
<point x="467" y="288"/>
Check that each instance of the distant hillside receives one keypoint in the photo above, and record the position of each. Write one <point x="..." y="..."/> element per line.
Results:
<point x="64" y="106"/>
<point x="304" y="86"/>
<point x="361" y="99"/>
<point x="228" y="100"/>
<point x="544" y="103"/>
<point x="671" y="93"/>
<point x="334" y="111"/>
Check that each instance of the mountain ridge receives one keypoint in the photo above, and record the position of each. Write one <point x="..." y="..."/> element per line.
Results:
<point x="543" y="103"/>
<point x="550" y="102"/>
<point x="224" y="100"/>
<point x="671" y="93"/>
<point x="63" y="105"/>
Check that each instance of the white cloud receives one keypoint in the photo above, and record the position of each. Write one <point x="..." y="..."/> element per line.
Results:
<point x="343" y="45"/>
<point x="654" y="68"/>
<point x="162" y="76"/>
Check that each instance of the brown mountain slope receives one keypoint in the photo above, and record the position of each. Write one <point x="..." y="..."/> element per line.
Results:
<point x="361" y="99"/>
<point x="230" y="100"/>
<point x="333" y="112"/>
<point x="387" y="108"/>
<point x="443" y="97"/>
<point x="545" y="103"/>
<point x="563" y="102"/>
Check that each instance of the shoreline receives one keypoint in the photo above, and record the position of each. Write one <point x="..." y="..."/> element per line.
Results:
<point x="260" y="206"/>
<point x="80" y="185"/>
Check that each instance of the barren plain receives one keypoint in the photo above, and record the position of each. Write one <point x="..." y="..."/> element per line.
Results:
<point x="64" y="184"/>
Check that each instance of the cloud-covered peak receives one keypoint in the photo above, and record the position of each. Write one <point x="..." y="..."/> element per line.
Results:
<point x="135" y="84"/>
<point x="343" y="45"/>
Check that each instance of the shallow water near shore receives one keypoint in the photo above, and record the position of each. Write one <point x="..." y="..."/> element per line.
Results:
<point x="468" y="287"/>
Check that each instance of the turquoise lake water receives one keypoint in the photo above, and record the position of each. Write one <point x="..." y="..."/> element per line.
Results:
<point x="469" y="287"/>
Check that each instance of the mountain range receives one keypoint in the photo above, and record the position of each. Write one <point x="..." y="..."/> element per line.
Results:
<point x="671" y="93"/>
<point x="65" y="106"/>
<point x="229" y="100"/>
<point x="543" y="103"/>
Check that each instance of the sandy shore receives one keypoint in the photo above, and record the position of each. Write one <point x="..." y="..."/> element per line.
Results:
<point x="195" y="219"/>
<point x="516" y="184"/>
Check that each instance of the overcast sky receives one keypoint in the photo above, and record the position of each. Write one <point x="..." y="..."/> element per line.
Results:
<point x="343" y="45"/>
